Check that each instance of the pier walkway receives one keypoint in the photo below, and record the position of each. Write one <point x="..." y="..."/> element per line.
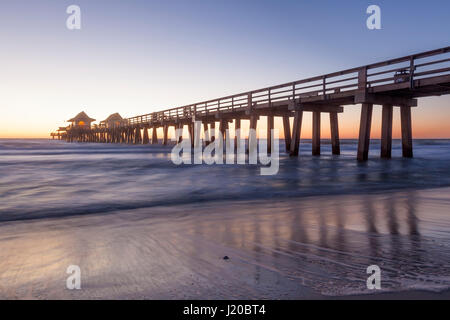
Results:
<point x="392" y="83"/>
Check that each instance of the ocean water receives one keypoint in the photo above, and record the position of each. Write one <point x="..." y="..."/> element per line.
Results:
<point x="126" y="212"/>
<point x="46" y="178"/>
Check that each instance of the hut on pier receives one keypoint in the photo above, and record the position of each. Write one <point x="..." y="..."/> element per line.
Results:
<point x="112" y="121"/>
<point x="81" y="120"/>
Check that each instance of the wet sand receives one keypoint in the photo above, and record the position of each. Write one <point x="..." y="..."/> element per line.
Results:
<point x="310" y="248"/>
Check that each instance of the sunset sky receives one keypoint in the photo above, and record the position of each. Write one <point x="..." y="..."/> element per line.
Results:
<point x="136" y="57"/>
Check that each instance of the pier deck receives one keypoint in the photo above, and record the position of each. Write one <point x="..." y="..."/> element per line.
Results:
<point x="392" y="83"/>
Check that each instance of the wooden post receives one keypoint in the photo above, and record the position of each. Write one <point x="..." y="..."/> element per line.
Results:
<point x="270" y="125"/>
<point x="130" y="135"/>
<point x="145" y="140"/>
<point x="154" y="135"/>
<point x="252" y="143"/>
<point x="364" y="131"/>
<point x="405" y="116"/>
<point x="213" y="131"/>
<point x="287" y="133"/>
<point x="223" y="126"/>
<point x="224" y="132"/>
<point x="165" y="135"/>
<point x="180" y="138"/>
<point x="191" y="133"/>
<point x="137" y="136"/>
<point x="237" y="137"/>
<point x="206" y="133"/>
<point x="221" y="129"/>
<point x="316" y="133"/>
<point x="296" y="131"/>
<point x="386" y="131"/>
<point x="334" y="128"/>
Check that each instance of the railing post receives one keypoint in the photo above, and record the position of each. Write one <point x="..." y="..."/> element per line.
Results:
<point x="411" y="72"/>
<point x="195" y="113"/>
<point x="249" y="103"/>
<point x="324" y="86"/>
<point x="362" y="78"/>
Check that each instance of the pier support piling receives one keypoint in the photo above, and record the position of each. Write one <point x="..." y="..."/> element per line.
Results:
<point x="334" y="129"/>
<point x="154" y="135"/>
<point x="316" y="133"/>
<point x="364" y="131"/>
<point x="252" y="144"/>
<point x="296" y="131"/>
<point x="386" y="131"/>
<point x="145" y="140"/>
<point x="237" y="134"/>
<point x="137" y="135"/>
<point x="270" y="125"/>
<point x="191" y="133"/>
<point x="212" y="129"/>
<point x="180" y="136"/>
<point x="405" y="116"/>
<point x="206" y="133"/>
<point x="165" y="134"/>
<point x="287" y="133"/>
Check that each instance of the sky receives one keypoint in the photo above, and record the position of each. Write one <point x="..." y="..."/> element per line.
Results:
<point x="136" y="57"/>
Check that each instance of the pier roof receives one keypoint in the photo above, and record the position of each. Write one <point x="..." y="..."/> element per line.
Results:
<point x="114" y="117"/>
<point x="81" y="116"/>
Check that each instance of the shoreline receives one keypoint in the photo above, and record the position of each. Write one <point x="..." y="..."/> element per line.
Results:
<point x="311" y="248"/>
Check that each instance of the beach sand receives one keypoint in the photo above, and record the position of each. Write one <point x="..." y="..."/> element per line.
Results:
<point x="310" y="248"/>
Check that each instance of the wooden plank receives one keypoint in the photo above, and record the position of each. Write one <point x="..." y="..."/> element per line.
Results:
<point x="386" y="131"/>
<point x="296" y="131"/>
<point x="364" y="131"/>
<point x="316" y="134"/>
<point x="334" y="129"/>
<point x="382" y="99"/>
<point x="405" y="116"/>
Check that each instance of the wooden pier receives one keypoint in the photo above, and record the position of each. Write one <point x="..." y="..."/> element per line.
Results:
<point x="392" y="83"/>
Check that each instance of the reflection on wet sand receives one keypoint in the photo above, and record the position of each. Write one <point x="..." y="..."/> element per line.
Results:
<point x="278" y="249"/>
<point x="327" y="243"/>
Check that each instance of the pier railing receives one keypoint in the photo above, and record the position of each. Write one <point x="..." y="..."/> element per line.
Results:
<point x="400" y="70"/>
